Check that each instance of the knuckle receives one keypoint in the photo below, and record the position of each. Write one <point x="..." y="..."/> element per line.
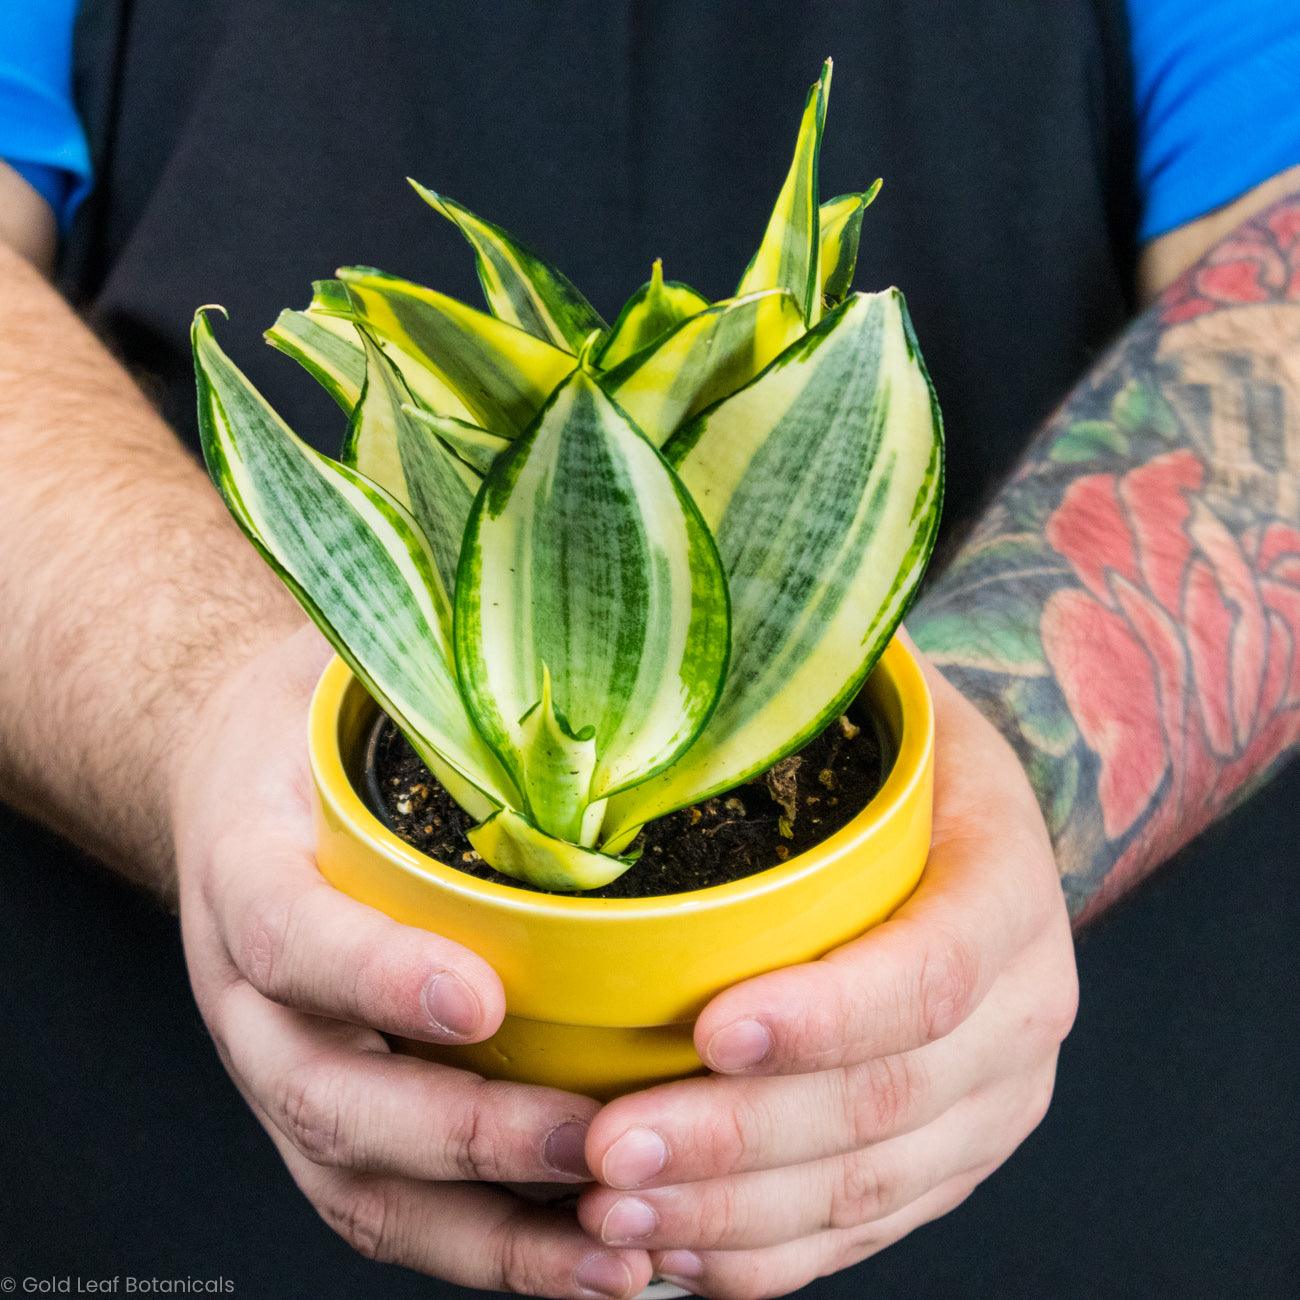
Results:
<point x="475" y="1149"/>
<point x="311" y="1105"/>
<point x="881" y="1095"/>
<point x="860" y="1194"/>
<point x="1040" y="1102"/>
<point x="727" y="1139"/>
<point x="377" y="987"/>
<point x="720" y="1214"/>
<point x="263" y="946"/>
<point x="1051" y="1016"/>
<point x="850" y="1251"/>
<point x="825" y="1029"/>
<point x="949" y="980"/>
<point x="520" y="1263"/>
<point x="855" y="1246"/>
<point x="363" y="1217"/>
<point x="716" y="1216"/>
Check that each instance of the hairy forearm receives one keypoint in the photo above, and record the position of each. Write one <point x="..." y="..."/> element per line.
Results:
<point x="1128" y="611"/>
<point x="127" y="591"/>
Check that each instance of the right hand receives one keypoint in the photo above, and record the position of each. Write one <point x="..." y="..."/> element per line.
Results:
<point x="298" y="984"/>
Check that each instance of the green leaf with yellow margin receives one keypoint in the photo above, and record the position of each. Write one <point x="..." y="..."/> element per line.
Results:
<point x="475" y="446"/>
<point x="840" y="226"/>
<point x="584" y="555"/>
<point x="789" y="255"/>
<point x="821" y="481"/>
<point x="556" y="767"/>
<point x="703" y="359"/>
<point x="500" y="373"/>
<point x="323" y="339"/>
<point x="519" y="286"/>
<point x="514" y="846"/>
<point x="324" y="344"/>
<point x="656" y="307"/>
<point x="353" y="558"/>
<point x="387" y="444"/>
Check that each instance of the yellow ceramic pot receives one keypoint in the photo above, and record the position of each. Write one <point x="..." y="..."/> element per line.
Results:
<point x="602" y="993"/>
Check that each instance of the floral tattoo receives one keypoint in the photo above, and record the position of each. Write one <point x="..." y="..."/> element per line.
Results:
<point x="1128" y="612"/>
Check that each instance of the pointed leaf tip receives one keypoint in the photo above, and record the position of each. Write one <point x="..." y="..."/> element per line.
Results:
<point x="655" y="309"/>
<point x="586" y="362"/>
<point x="434" y="199"/>
<point x="521" y="288"/>
<point x="788" y="256"/>
<point x="840" y="230"/>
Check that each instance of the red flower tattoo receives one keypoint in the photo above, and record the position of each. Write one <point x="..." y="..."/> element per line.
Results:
<point x="1179" y="654"/>
<point x="1255" y="264"/>
<point x="1128" y="613"/>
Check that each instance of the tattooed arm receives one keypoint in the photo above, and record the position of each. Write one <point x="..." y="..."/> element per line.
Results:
<point x="1128" y="611"/>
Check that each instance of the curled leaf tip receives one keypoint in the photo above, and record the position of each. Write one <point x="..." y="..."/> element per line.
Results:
<point x="586" y="358"/>
<point x="201" y="313"/>
<point x="657" y="273"/>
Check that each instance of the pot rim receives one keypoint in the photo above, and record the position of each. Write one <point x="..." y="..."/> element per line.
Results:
<point x="913" y="744"/>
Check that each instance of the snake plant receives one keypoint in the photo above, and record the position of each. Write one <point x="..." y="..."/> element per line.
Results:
<point x="597" y="572"/>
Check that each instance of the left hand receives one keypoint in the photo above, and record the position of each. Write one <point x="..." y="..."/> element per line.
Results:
<point x="859" y="1096"/>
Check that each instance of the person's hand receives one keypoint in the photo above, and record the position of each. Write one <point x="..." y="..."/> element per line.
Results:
<point x="860" y="1096"/>
<point x="298" y="983"/>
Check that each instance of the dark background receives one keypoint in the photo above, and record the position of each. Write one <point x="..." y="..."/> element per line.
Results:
<point x="1167" y="1165"/>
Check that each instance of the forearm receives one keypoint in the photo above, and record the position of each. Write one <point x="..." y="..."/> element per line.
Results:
<point x="127" y="591"/>
<point x="1128" y="611"/>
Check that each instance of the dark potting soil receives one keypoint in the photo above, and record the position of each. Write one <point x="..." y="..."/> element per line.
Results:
<point x="758" y="825"/>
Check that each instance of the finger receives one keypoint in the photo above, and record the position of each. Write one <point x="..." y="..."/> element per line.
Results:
<point x="911" y="981"/>
<point x="715" y="1126"/>
<point x="779" y="1205"/>
<point x="343" y="1100"/>
<point x="302" y="943"/>
<point x="780" y="1270"/>
<point x="988" y="885"/>
<point x="471" y="1235"/>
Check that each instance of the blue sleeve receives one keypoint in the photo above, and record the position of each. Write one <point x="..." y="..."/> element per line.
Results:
<point x="1217" y="85"/>
<point x="40" y="134"/>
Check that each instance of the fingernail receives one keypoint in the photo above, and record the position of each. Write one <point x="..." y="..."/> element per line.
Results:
<point x="629" y="1219"/>
<point x="742" y="1044"/>
<point x="452" y="1005"/>
<point x="639" y="1154"/>
<point x="565" y="1150"/>
<point x="603" y="1275"/>
<point x="680" y="1266"/>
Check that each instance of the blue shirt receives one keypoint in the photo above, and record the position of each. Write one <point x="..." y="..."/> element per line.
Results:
<point x="40" y="135"/>
<point x="1217" y="87"/>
